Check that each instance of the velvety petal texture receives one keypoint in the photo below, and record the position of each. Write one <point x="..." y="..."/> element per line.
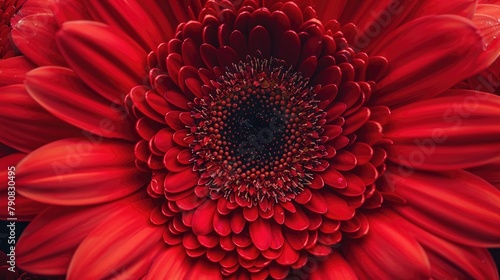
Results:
<point x="62" y="93"/>
<point x="335" y="267"/>
<point x="126" y="242"/>
<point x="165" y="266"/>
<point x="12" y="70"/>
<point x="34" y="126"/>
<point x="24" y="209"/>
<point x="459" y="130"/>
<point x="448" y="259"/>
<point x="437" y="201"/>
<point x="70" y="227"/>
<point x="153" y="30"/>
<point x="77" y="171"/>
<point x="105" y="58"/>
<point x="451" y="45"/>
<point x="38" y="30"/>
<point x="402" y="254"/>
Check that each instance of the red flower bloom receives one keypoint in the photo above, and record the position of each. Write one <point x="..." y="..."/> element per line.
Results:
<point x="255" y="139"/>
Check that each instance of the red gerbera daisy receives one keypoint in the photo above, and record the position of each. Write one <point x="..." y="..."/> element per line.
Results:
<point x="256" y="139"/>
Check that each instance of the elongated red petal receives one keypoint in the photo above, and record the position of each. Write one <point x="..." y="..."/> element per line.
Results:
<point x="449" y="260"/>
<point x="172" y="263"/>
<point x="13" y="70"/>
<point x="125" y="244"/>
<point x="489" y="173"/>
<point x="424" y="64"/>
<point x="456" y="205"/>
<point x="486" y="19"/>
<point x="457" y="131"/>
<point x="153" y="28"/>
<point x="105" y="58"/>
<point x="69" y="226"/>
<point x="77" y="172"/>
<point x="24" y="209"/>
<point x="27" y="125"/>
<point x="34" y="35"/>
<point x="333" y="268"/>
<point x="63" y="94"/>
<point x="377" y="20"/>
<point x="401" y="253"/>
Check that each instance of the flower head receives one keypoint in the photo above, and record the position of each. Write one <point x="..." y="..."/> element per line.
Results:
<point x="257" y="139"/>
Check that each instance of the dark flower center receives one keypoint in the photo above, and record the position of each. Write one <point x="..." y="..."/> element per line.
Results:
<point x="258" y="133"/>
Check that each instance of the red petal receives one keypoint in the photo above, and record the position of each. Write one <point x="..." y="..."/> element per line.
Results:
<point x="333" y="268"/>
<point x="34" y="35"/>
<point x="64" y="95"/>
<point x="127" y="242"/>
<point x="277" y="238"/>
<point x="170" y="160"/>
<point x="402" y="254"/>
<point x="486" y="20"/>
<point x="297" y="220"/>
<point x="29" y="126"/>
<point x="177" y="12"/>
<point x="215" y="254"/>
<point x="331" y="75"/>
<point x="251" y="214"/>
<point x="259" y="40"/>
<point x="25" y="208"/>
<point x="289" y="48"/>
<point x="260" y="232"/>
<point x="237" y="222"/>
<point x="460" y="7"/>
<point x="387" y="15"/>
<point x="449" y="260"/>
<point x="78" y="172"/>
<point x="137" y="96"/>
<point x="455" y="205"/>
<point x="289" y="255"/>
<point x="203" y="218"/>
<point x="226" y="56"/>
<point x="362" y="151"/>
<point x="297" y="239"/>
<point x="317" y="204"/>
<point x="489" y="173"/>
<point x="452" y="132"/>
<point x="203" y="270"/>
<point x="167" y="267"/>
<point x="423" y="61"/>
<point x="238" y="42"/>
<point x="180" y="181"/>
<point x="153" y="28"/>
<point x="173" y="120"/>
<point x="49" y="242"/>
<point x="338" y="209"/>
<point x="13" y="70"/>
<point x="222" y="224"/>
<point x="344" y="161"/>
<point x="333" y="178"/>
<point x="105" y="58"/>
